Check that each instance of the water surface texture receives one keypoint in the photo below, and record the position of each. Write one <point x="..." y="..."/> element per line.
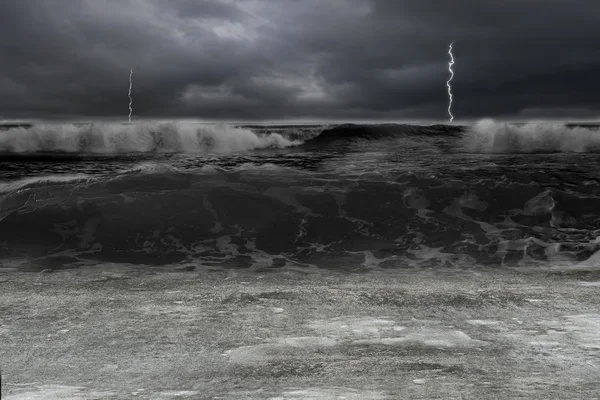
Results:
<point x="340" y="196"/>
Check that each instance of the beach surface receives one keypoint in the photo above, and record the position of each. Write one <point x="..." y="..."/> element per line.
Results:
<point x="117" y="331"/>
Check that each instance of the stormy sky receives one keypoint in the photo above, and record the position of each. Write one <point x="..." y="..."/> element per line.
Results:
<point x="299" y="59"/>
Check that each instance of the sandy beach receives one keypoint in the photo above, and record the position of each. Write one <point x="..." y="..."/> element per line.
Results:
<point x="118" y="332"/>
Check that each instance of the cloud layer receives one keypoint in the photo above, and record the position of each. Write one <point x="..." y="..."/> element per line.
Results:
<point x="264" y="60"/>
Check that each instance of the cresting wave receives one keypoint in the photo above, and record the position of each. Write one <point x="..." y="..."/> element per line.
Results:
<point x="485" y="136"/>
<point x="111" y="138"/>
<point x="489" y="136"/>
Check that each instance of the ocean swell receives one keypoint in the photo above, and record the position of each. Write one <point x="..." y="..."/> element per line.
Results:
<point x="271" y="216"/>
<point x="350" y="132"/>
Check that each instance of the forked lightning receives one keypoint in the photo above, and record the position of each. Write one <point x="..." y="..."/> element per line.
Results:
<point x="448" y="83"/>
<point x="130" y="100"/>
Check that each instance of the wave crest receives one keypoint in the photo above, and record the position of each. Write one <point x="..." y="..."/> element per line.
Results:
<point x="145" y="137"/>
<point x="490" y="136"/>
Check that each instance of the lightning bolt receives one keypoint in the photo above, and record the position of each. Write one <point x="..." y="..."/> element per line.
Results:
<point x="129" y="95"/>
<point x="450" y="64"/>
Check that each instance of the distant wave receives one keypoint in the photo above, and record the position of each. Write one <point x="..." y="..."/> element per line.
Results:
<point x="485" y="136"/>
<point x="383" y="131"/>
<point x="113" y="138"/>
<point x="489" y="136"/>
<point x="290" y="132"/>
<point x="110" y="138"/>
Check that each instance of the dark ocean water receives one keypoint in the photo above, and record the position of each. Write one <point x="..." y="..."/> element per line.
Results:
<point x="346" y="196"/>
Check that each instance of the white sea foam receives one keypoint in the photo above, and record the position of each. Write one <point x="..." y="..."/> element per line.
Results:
<point x="11" y="187"/>
<point x="143" y="137"/>
<point x="490" y="136"/>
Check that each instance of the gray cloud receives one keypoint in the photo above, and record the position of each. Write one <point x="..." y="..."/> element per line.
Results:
<point x="262" y="59"/>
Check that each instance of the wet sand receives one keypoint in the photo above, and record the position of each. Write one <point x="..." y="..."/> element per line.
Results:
<point x="116" y="332"/>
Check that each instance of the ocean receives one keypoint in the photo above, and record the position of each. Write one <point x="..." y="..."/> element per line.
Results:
<point x="356" y="197"/>
<point x="180" y="260"/>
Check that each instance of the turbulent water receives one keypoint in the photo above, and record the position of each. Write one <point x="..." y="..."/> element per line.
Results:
<point x="340" y="196"/>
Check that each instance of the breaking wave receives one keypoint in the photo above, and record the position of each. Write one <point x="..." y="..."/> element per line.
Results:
<point x="489" y="136"/>
<point x="111" y="138"/>
<point x="485" y="136"/>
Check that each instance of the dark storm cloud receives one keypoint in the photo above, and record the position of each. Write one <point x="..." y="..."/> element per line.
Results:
<point x="205" y="9"/>
<point x="262" y="59"/>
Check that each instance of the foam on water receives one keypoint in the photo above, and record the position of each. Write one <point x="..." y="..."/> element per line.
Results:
<point x="489" y="136"/>
<point x="111" y="138"/>
<point x="15" y="186"/>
